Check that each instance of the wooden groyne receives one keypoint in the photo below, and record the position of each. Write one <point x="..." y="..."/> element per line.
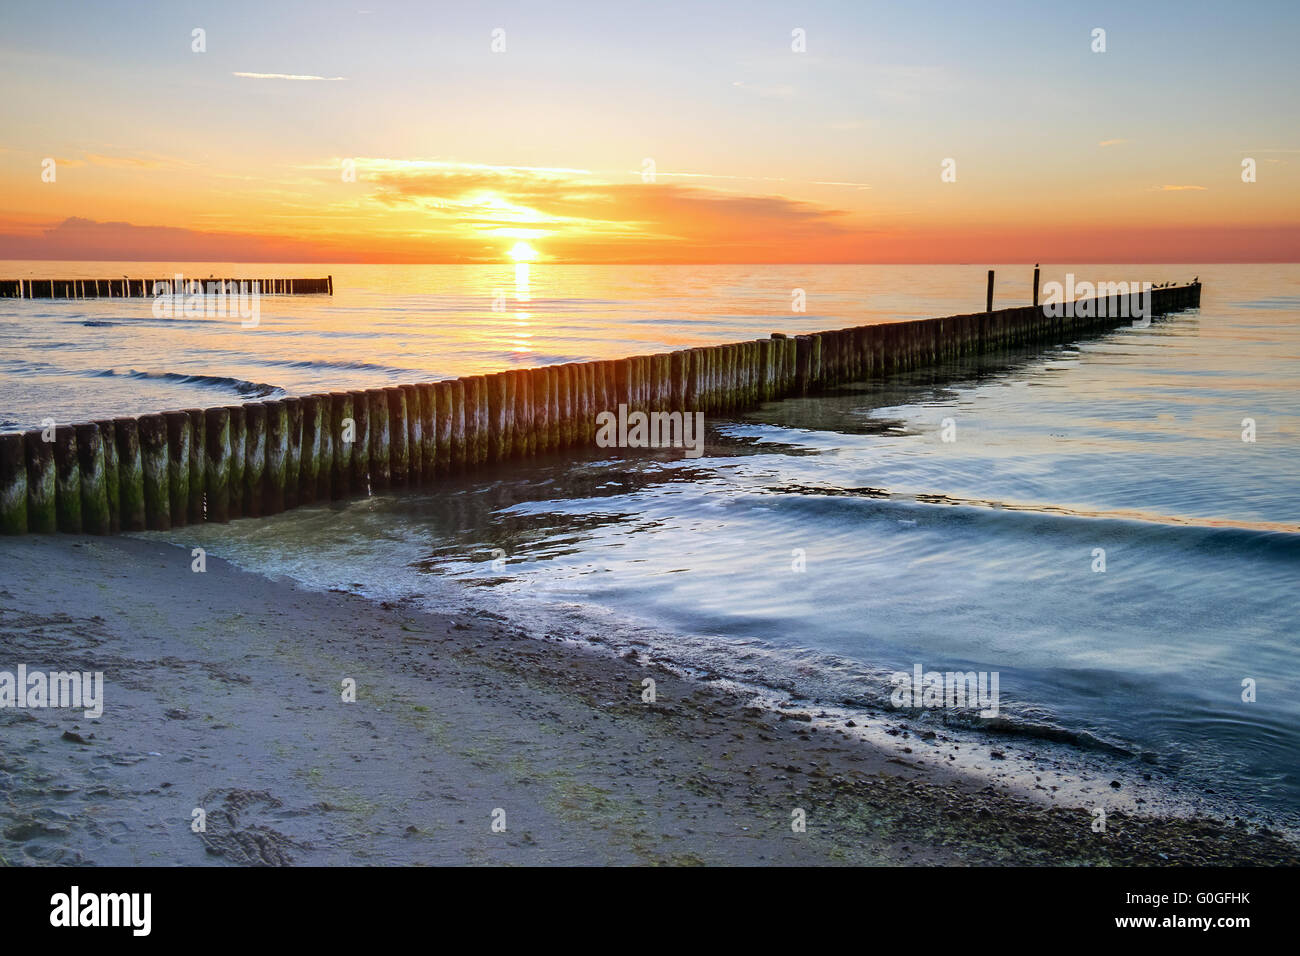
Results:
<point x="127" y="288"/>
<point x="216" y="464"/>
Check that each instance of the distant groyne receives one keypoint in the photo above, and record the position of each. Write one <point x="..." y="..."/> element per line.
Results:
<point x="124" y="287"/>
<point x="175" y="468"/>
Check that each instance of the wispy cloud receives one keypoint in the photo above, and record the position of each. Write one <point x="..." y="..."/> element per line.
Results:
<point x="1178" y="189"/>
<point x="288" y="76"/>
<point x="1111" y="142"/>
<point x="454" y="166"/>
<point x="126" y="162"/>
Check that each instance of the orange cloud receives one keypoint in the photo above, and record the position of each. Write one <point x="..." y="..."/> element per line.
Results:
<point x="575" y="218"/>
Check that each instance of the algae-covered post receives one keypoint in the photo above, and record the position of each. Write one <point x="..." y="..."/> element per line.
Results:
<point x="13" y="485"/>
<point x="293" y="451"/>
<point x="343" y="428"/>
<point x="414" y="433"/>
<point x="67" y="485"/>
<point x="541" y="441"/>
<point x="524" y="442"/>
<point x="216" y="461"/>
<point x="428" y="431"/>
<point x="309" y="453"/>
<point x="459" y="450"/>
<point x="94" y="494"/>
<point x="398" y="432"/>
<point x="277" y="453"/>
<point x="325" y="447"/>
<point x="130" y="474"/>
<point x="563" y="434"/>
<point x="360" y="480"/>
<point x="198" y="467"/>
<point x="380" y="460"/>
<point x="254" y="457"/>
<point x="112" y="486"/>
<point x="443" y="404"/>
<point x="475" y="444"/>
<point x="42" y="483"/>
<point x="236" y="460"/>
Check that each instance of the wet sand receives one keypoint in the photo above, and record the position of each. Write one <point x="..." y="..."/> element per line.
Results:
<point x="224" y="693"/>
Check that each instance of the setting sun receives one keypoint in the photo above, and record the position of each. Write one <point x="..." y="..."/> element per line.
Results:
<point x="523" y="252"/>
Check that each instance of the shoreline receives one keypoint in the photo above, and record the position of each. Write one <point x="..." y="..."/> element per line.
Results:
<point x="223" y="693"/>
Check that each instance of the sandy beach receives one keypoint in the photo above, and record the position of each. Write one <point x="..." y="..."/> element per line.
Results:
<point x="224" y="693"/>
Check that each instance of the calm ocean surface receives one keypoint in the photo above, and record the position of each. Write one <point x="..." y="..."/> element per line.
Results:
<point x="977" y="554"/>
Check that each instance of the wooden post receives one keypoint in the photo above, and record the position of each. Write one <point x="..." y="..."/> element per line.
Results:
<point x="691" y="380"/>
<point x="94" y="495"/>
<point x="309" y="457"/>
<point x="293" y="452"/>
<point x="414" y="434"/>
<point x="498" y="434"/>
<point x="216" y="464"/>
<point x="721" y="378"/>
<point x="443" y="404"/>
<point x="343" y="428"/>
<point x="194" y="508"/>
<point x="130" y="474"/>
<point x="13" y="484"/>
<point x="791" y="364"/>
<point x="583" y="402"/>
<point x="552" y="407"/>
<point x="645" y="371"/>
<point x="988" y="307"/>
<point x="563" y="435"/>
<point x="803" y="368"/>
<point x="428" y="431"/>
<point x="751" y="351"/>
<point x="456" y="440"/>
<point x="483" y="435"/>
<point x="677" y="380"/>
<point x="235" y="460"/>
<point x="277" y="456"/>
<point x="67" y="485"/>
<point x="380" y="453"/>
<point x="112" y="488"/>
<point x="1035" y="285"/>
<point x="254" y="458"/>
<point x="662" y="372"/>
<point x="602" y="396"/>
<point x="360" y="479"/>
<point x="473" y="385"/>
<point x="524" y="443"/>
<point x="398" y="436"/>
<point x="156" y="463"/>
<point x="625" y="387"/>
<point x="42" y="484"/>
<point x="179" y="438"/>
<point x="325" y="447"/>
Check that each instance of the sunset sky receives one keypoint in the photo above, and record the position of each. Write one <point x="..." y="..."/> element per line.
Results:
<point x="761" y="153"/>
